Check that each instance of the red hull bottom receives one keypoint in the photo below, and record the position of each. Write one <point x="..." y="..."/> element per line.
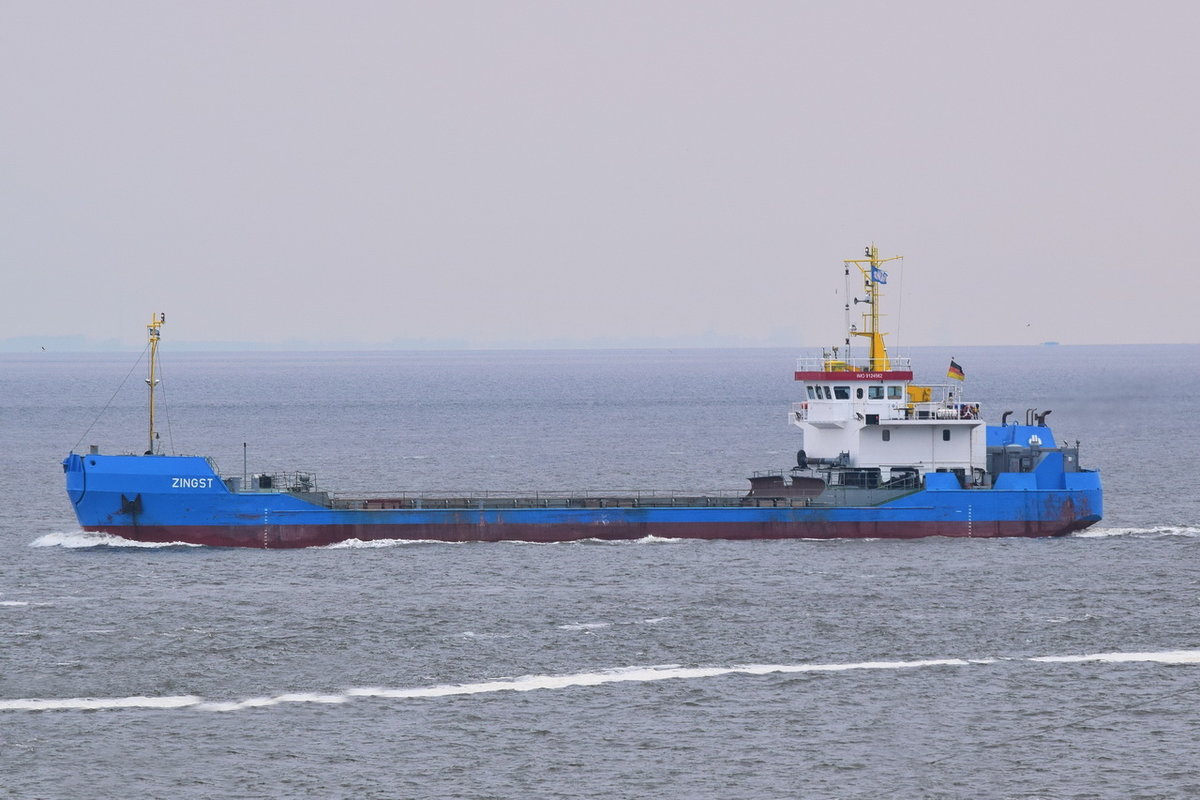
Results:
<point x="280" y="536"/>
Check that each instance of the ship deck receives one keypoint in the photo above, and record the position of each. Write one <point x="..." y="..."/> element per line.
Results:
<point x="833" y="497"/>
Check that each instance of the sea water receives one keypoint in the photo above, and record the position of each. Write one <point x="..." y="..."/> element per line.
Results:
<point x="1057" y="668"/>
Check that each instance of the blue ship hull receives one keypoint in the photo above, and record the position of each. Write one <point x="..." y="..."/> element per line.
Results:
<point x="182" y="499"/>
<point x="885" y="459"/>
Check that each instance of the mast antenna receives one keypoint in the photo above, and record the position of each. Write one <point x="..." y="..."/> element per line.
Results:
<point x="156" y="322"/>
<point x="873" y="278"/>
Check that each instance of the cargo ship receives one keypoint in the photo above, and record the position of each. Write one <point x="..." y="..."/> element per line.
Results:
<point x="880" y="457"/>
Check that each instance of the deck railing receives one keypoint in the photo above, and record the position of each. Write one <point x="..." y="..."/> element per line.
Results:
<point x="810" y="364"/>
<point x="944" y="409"/>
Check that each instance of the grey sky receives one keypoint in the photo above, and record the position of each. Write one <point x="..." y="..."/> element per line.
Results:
<point x="499" y="173"/>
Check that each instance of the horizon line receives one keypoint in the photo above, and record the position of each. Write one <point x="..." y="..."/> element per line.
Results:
<point x="76" y="344"/>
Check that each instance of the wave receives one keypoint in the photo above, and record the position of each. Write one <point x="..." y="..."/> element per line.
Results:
<point x="485" y="636"/>
<point x="82" y="539"/>
<point x="590" y="626"/>
<point x="368" y="544"/>
<point x="1167" y="657"/>
<point x="267" y="702"/>
<point x="378" y="543"/>
<point x="1156" y="532"/>
<point x="99" y="703"/>
<point x="528" y="683"/>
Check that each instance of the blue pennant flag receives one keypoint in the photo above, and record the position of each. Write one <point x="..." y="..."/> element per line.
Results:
<point x="878" y="275"/>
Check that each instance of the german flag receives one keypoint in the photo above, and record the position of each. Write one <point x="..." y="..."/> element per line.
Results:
<point x="955" y="371"/>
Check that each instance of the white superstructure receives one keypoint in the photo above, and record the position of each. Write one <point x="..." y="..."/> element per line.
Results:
<point x="867" y="415"/>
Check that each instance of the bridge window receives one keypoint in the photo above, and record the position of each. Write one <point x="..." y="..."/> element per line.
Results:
<point x="812" y="393"/>
<point x="895" y="393"/>
<point x="828" y="396"/>
<point x="841" y="393"/>
<point x="945" y="434"/>
<point x="858" y="393"/>
<point x="875" y="392"/>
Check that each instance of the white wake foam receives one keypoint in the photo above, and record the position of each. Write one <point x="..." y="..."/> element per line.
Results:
<point x="374" y="543"/>
<point x="591" y="626"/>
<point x="80" y="539"/>
<point x="1160" y="531"/>
<point x="1167" y="657"/>
<point x="98" y="703"/>
<point x="529" y="683"/>
<point x="267" y="702"/>
<point x="83" y="539"/>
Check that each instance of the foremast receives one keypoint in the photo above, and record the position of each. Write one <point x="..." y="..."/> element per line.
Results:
<point x="152" y="331"/>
